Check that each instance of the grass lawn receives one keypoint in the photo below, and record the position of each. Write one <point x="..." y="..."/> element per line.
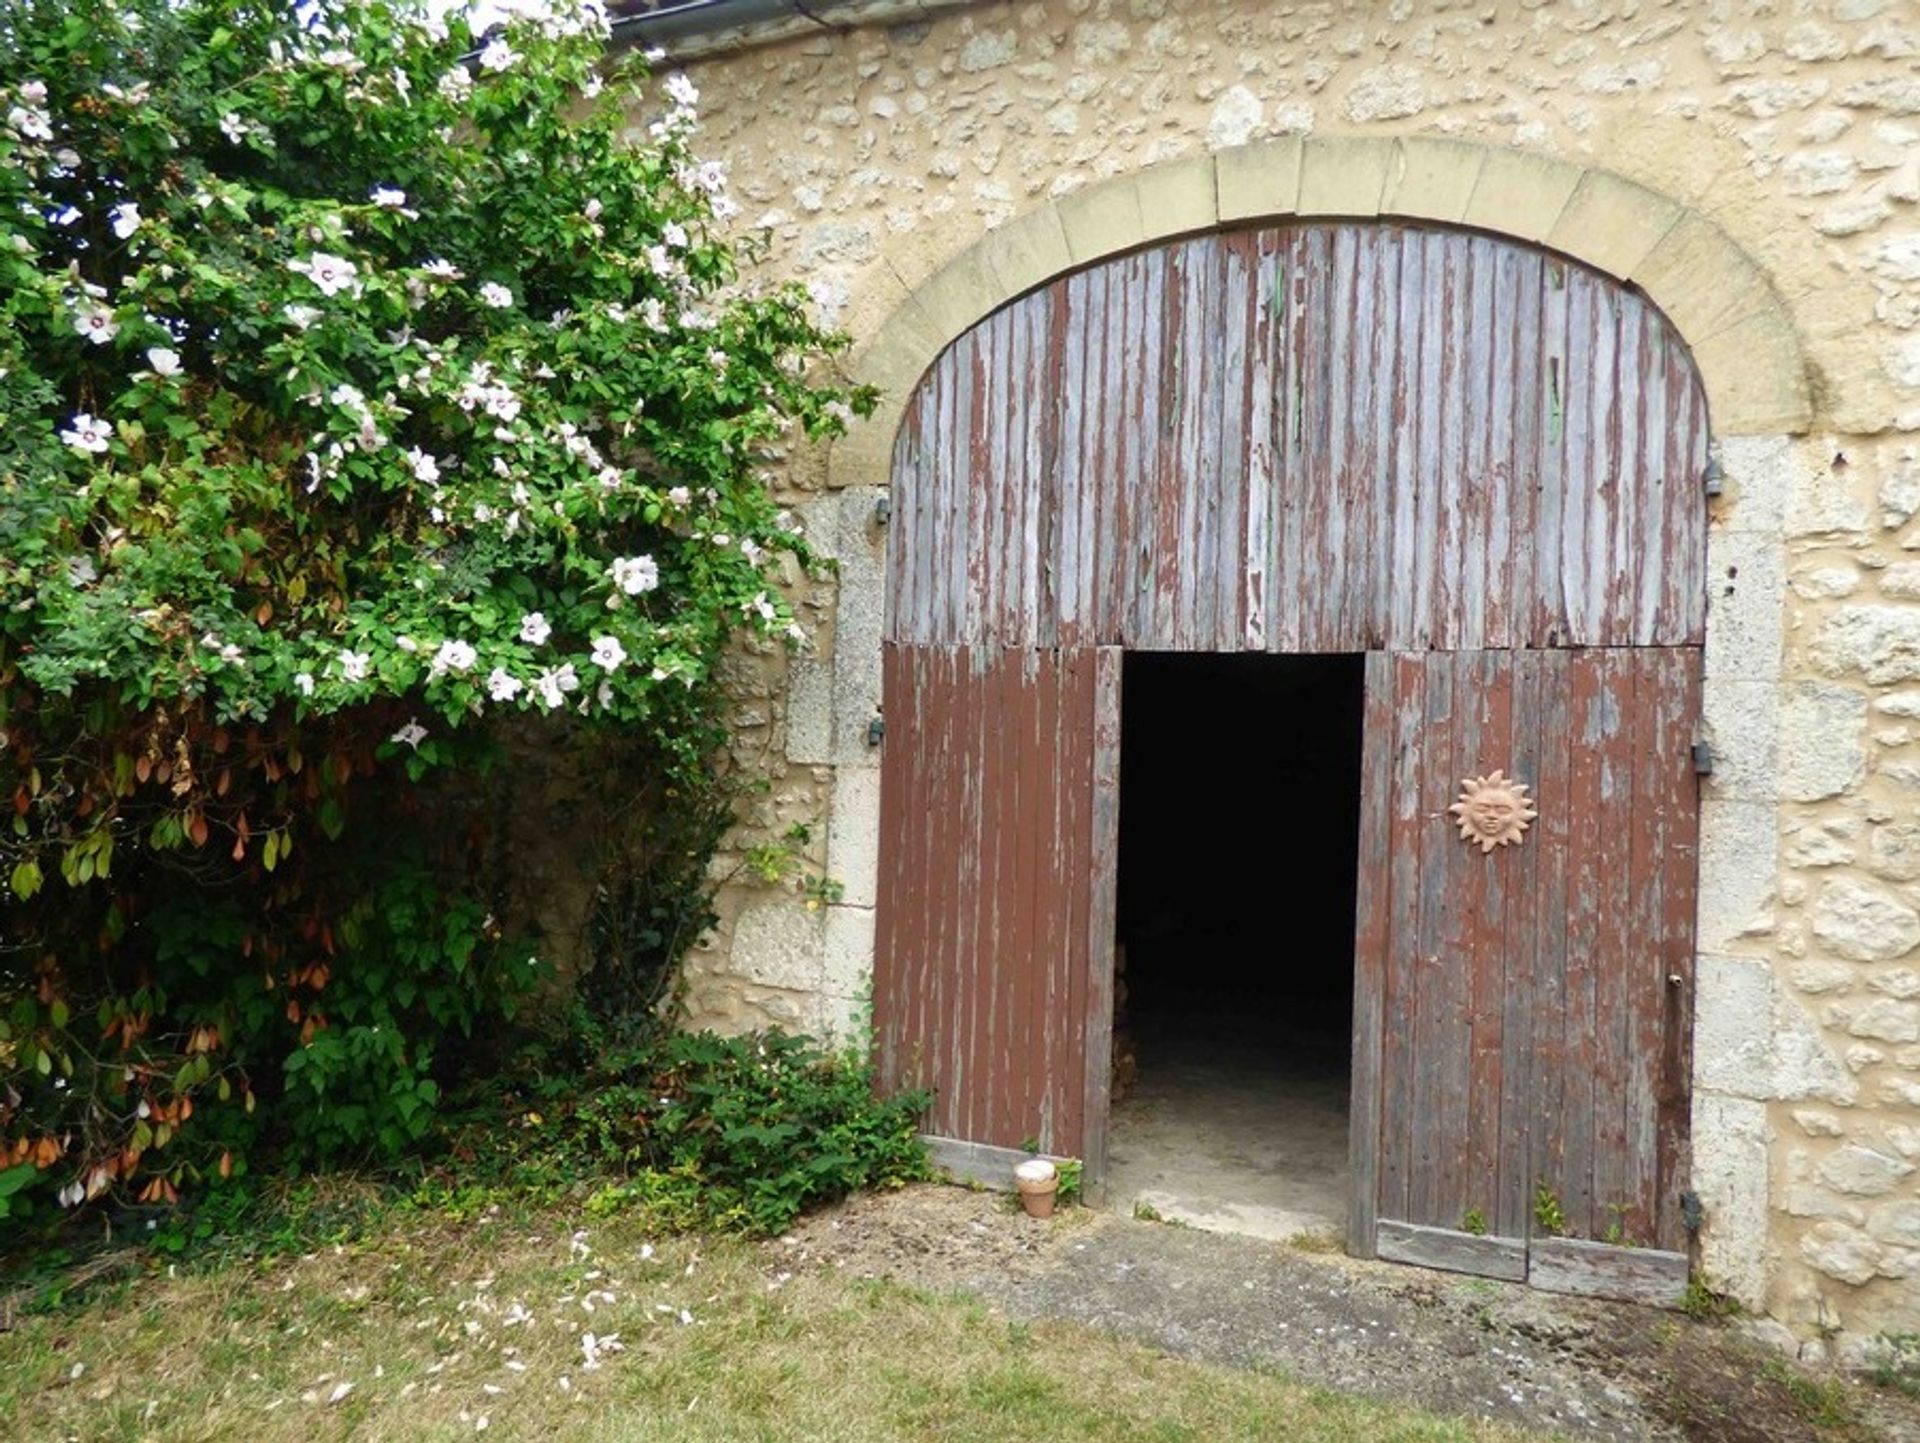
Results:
<point x="552" y="1326"/>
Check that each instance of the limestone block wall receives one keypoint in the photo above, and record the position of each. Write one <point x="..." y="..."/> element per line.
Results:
<point x="1753" y="164"/>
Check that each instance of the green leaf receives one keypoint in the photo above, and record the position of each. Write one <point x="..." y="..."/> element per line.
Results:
<point x="26" y="879"/>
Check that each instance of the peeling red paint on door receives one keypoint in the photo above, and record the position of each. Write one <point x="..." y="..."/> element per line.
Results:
<point x="1481" y="465"/>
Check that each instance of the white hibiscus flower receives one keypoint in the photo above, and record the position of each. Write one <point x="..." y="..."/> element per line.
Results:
<point x="496" y="295"/>
<point x="503" y="685"/>
<point x="353" y="665"/>
<point x="423" y="465"/>
<point x="535" y="628"/>
<point x="553" y="684"/>
<point x="608" y="653"/>
<point x="95" y="322"/>
<point x="453" y="655"/>
<point x="125" y="219"/>
<point x="332" y="274"/>
<point x="412" y="734"/>
<point x="88" y="433"/>
<point x="498" y="55"/>
<point x="636" y="574"/>
<point x="164" y="362"/>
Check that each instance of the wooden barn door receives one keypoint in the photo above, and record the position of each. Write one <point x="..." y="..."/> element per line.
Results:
<point x="994" y="955"/>
<point x="1521" y="1036"/>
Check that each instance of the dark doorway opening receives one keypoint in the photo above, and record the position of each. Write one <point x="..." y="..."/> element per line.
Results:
<point x="1239" y="838"/>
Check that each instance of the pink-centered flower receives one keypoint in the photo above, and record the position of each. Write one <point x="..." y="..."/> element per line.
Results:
<point x="608" y="653"/>
<point x="95" y="322"/>
<point x="636" y="574"/>
<point x="88" y="433"/>
<point x="332" y="274"/>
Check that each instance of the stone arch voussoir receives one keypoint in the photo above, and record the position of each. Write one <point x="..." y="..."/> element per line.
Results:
<point x="1734" y="322"/>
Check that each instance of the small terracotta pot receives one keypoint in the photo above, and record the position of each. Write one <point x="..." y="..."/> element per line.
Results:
<point x="1037" y="1182"/>
<point x="1037" y="1197"/>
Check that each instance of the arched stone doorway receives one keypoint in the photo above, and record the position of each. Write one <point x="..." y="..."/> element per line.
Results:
<point x="1478" y="466"/>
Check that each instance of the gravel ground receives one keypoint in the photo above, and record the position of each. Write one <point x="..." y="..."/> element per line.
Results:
<point x="1577" y="1367"/>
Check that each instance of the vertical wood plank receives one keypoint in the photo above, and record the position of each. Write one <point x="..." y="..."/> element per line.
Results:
<point x="1547" y="395"/>
<point x="1102" y="904"/>
<point x="1547" y="1144"/>
<point x="1226" y="558"/>
<point x="1259" y="390"/>
<point x="1517" y="442"/>
<point x="1489" y="952"/>
<point x="1403" y="959"/>
<point x="1524" y="996"/>
<point x="1614" y="964"/>
<point x="1406" y="627"/>
<point x="1593" y="724"/>
<point x="1373" y="916"/>
<point x="1451" y="884"/>
<point x="1642" y="965"/>
<point x="1435" y="991"/>
<point x="1680" y="803"/>
<point x="891" y="904"/>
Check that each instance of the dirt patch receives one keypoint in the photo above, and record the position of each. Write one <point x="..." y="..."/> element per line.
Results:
<point x="1713" y="1386"/>
<point x="938" y="1238"/>
<point x="1466" y="1346"/>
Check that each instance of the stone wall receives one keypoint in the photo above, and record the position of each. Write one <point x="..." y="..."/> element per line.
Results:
<point x="1755" y="164"/>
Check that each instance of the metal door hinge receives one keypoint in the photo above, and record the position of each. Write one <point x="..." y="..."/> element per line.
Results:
<point x="1692" y="1211"/>
<point x="1715" y="479"/>
<point x="1703" y="759"/>
<point x="876" y="732"/>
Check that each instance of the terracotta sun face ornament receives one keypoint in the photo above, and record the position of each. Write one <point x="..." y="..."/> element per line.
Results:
<point x="1493" y="811"/>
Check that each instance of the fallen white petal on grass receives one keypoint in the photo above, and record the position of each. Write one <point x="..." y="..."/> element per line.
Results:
<point x="340" y="1390"/>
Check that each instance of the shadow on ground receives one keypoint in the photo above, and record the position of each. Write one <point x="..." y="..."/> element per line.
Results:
<point x="1468" y="1346"/>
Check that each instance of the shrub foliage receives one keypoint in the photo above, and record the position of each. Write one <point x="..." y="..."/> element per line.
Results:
<point x="353" y="395"/>
<point x="734" y="1132"/>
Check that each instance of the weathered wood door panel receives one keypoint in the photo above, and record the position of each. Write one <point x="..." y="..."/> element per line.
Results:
<point x="994" y="953"/>
<point x="1321" y="437"/>
<point x="1477" y="463"/>
<point x="1522" y="1016"/>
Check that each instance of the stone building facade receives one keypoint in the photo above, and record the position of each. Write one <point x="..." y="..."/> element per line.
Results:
<point x="1752" y="165"/>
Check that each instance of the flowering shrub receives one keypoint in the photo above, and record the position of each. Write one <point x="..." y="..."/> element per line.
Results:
<point x="353" y="395"/>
